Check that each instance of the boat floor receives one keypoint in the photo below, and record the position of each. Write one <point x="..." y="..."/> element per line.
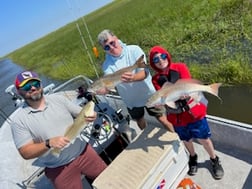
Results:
<point x="237" y="165"/>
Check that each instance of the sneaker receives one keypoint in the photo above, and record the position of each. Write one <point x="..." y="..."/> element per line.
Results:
<point x="218" y="171"/>
<point x="193" y="165"/>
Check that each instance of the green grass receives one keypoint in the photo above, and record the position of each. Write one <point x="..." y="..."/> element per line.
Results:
<point x="213" y="37"/>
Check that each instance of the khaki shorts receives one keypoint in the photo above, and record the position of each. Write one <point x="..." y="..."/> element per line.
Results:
<point x="156" y="111"/>
<point x="138" y="112"/>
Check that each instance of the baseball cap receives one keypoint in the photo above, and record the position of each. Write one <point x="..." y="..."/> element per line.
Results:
<point x="25" y="76"/>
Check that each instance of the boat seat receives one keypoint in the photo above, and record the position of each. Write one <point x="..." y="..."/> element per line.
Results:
<point x="155" y="156"/>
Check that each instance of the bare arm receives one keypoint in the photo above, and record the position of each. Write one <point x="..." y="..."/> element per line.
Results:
<point x="33" y="150"/>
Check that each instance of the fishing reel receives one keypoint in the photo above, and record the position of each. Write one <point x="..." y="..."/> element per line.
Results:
<point x="100" y="129"/>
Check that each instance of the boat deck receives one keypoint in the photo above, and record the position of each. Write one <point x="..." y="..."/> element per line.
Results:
<point x="237" y="165"/>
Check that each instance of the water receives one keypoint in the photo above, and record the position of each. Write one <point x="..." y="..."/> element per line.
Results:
<point x="236" y="103"/>
<point x="8" y="72"/>
<point x="236" y="100"/>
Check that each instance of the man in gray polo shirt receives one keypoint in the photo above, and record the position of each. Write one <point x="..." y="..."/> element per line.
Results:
<point x="40" y="125"/>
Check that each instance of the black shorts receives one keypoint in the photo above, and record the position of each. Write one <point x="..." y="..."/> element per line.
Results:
<point x="138" y="112"/>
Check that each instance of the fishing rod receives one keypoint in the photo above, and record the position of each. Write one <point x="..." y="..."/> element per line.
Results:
<point x="95" y="51"/>
<point x="86" y="48"/>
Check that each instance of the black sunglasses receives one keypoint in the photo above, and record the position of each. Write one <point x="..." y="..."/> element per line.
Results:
<point x="107" y="47"/>
<point x="27" y="87"/>
<point x="156" y="59"/>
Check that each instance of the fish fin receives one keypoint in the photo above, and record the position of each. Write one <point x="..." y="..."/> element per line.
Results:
<point x="55" y="152"/>
<point x="140" y="62"/>
<point x="113" y="90"/>
<point x="109" y="84"/>
<point x="215" y="89"/>
<point x="189" y="80"/>
<point x="167" y="84"/>
<point x="171" y="104"/>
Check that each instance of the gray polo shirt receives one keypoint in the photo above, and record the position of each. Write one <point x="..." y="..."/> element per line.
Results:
<point x="31" y="124"/>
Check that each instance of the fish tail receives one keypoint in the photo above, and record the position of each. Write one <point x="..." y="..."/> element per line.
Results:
<point x="140" y="62"/>
<point x="215" y="89"/>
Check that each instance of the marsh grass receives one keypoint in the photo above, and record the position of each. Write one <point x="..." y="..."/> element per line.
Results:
<point x="212" y="37"/>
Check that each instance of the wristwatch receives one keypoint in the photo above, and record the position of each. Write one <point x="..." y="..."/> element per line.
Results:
<point x="47" y="143"/>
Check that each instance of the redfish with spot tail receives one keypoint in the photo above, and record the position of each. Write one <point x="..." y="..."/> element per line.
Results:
<point x="111" y="80"/>
<point x="78" y="125"/>
<point x="169" y="93"/>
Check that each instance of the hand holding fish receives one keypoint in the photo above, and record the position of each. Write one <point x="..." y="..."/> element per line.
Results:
<point x="109" y="81"/>
<point x="170" y="93"/>
<point x="102" y="91"/>
<point x="86" y="115"/>
<point x="90" y="118"/>
<point x="58" y="142"/>
<point x="127" y="77"/>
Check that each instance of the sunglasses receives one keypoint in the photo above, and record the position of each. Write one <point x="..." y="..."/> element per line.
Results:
<point x="27" y="87"/>
<point x="108" y="46"/>
<point x="156" y="59"/>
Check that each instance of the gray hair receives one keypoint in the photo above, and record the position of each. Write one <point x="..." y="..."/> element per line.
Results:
<point x="104" y="35"/>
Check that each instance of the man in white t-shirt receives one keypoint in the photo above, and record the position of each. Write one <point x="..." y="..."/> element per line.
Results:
<point x="136" y="87"/>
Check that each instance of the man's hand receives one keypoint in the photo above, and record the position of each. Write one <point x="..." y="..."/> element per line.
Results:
<point x="181" y="105"/>
<point x="58" y="142"/>
<point x="91" y="118"/>
<point x="127" y="77"/>
<point x="102" y="91"/>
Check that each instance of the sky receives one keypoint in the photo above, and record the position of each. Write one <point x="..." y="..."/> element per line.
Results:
<point x="23" y="21"/>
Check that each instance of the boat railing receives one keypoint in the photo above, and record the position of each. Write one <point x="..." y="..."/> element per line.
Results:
<point x="231" y="133"/>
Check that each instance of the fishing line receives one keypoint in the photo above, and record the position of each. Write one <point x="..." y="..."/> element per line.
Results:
<point x="95" y="51"/>
<point x="86" y="48"/>
<point x="83" y="40"/>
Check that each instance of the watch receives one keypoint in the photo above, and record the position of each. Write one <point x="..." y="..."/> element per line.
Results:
<point x="47" y="143"/>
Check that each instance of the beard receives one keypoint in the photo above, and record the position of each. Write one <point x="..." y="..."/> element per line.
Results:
<point x="34" y="97"/>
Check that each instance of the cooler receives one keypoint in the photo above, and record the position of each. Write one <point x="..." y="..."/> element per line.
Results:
<point x="156" y="159"/>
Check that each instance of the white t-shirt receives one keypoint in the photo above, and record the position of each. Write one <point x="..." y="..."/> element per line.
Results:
<point x="134" y="94"/>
